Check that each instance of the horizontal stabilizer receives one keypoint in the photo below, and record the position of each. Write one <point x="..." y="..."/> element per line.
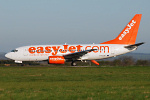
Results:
<point x="134" y="45"/>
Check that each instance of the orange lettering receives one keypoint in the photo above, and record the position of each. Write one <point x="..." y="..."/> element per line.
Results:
<point x="65" y="49"/>
<point x="87" y="47"/>
<point x="48" y="49"/>
<point x="72" y="49"/>
<point x="32" y="50"/>
<point x="55" y="50"/>
<point x="40" y="50"/>
<point x="95" y="51"/>
<point x="104" y="48"/>
<point x="79" y="47"/>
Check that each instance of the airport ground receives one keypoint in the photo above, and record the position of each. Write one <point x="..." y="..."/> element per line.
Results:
<point x="75" y="83"/>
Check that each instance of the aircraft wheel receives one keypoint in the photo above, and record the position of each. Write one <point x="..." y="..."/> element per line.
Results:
<point x="73" y="64"/>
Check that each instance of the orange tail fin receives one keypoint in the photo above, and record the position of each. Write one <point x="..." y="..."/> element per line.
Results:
<point x="129" y="33"/>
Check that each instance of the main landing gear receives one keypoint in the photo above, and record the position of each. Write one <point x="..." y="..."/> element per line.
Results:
<point x="73" y="64"/>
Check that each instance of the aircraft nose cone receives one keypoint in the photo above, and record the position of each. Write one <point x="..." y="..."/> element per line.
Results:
<point x="8" y="55"/>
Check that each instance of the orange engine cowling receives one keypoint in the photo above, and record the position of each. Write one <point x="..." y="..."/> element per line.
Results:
<point x="56" y="60"/>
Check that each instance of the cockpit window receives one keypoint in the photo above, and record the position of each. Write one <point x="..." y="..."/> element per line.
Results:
<point x="14" y="50"/>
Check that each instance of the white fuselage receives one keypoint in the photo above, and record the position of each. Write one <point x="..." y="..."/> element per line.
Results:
<point x="42" y="52"/>
<point x="59" y="54"/>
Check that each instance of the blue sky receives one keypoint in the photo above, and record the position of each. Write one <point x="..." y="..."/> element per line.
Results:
<point x="30" y="22"/>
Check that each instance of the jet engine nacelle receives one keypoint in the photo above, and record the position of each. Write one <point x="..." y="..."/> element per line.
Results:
<point x="56" y="60"/>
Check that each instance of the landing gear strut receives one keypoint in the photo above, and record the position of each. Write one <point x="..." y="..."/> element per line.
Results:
<point x="73" y="64"/>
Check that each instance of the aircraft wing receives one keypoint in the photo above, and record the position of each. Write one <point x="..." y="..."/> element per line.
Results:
<point x="77" y="55"/>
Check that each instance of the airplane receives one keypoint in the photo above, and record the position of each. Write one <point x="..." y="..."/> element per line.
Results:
<point x="59" y="54"/>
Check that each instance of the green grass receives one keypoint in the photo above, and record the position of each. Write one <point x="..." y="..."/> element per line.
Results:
<point x="68" y="83"/>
